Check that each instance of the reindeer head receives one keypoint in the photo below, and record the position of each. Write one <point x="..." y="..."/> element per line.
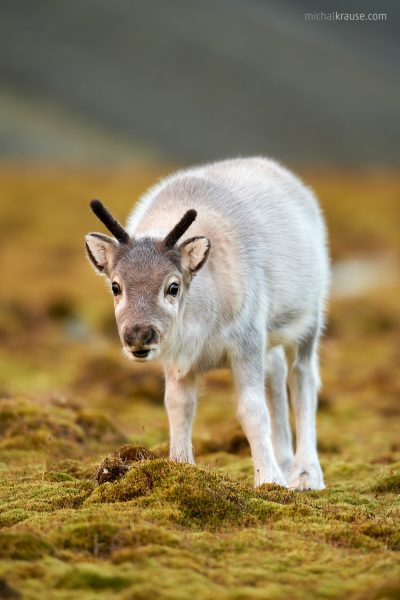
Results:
<point x="149" y="279"/>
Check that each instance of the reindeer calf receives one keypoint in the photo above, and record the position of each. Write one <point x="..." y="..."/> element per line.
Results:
<point x="226" y="264"/>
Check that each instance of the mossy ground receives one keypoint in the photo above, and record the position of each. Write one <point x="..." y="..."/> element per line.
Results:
<point x="68" y="399"/>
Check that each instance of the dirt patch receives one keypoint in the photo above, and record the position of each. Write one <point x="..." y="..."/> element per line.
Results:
<point x="117" y="466"/>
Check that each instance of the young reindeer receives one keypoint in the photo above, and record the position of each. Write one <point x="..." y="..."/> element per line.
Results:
<point x="226" y="265"/>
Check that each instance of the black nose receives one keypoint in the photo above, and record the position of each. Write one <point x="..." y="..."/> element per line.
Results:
<point x="140" y="335"/>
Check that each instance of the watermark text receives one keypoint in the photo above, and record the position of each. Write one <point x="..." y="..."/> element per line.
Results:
<point x="336" y="15"/>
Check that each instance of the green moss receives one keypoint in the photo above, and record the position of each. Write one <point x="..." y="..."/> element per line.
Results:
<point x="101" y="533"/>
<point x="77" y="469"/>
<point x="172" y="531"/>
<point x="25" y="425"/>
<point x="45" y="496"/>
<point x="7" y="592"/>
<point x="98" y="426"/>
<point x="144" y="541"/>
<point x="92" y="577"/>
<point x="348" y="537"/>
<point x="22" y="546"/>
<point x="389" y="590"/>
<point x="13" y="516"/>
<point x="95" y="538"/>
<point x="276" y="493"/>
<point x="139" y="481"/>
<point x="202" y="498"/>
<point x="59" y="476"/>
<point x="388" y="484"/>
<point x="387" y="533"/>
<point x="115" y="378"/>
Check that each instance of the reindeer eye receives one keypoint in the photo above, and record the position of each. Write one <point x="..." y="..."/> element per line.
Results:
<point x="116" y="290"/>
<point x="173" y="289"/>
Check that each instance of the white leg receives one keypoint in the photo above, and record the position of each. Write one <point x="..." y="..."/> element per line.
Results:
<point x="248" y="372"/>
<point x="278" y="406"/>
<point x="306" y="471"/>
<point x="180" y="401"/>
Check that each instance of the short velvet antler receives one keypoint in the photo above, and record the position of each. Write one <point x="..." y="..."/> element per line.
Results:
<point x="177" y="232"/>
<point x="112" y="224"/>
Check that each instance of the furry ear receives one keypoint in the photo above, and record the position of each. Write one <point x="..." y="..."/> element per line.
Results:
<point x="99" y="250"/>
<point x="194" y="253"/>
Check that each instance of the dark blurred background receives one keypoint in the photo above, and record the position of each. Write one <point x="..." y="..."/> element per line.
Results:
<point x="94" y="81"/>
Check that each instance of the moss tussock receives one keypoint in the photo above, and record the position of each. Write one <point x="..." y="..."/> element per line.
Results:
<point x="97" y="426"/>
<point x="20" y="502"/>
<point x="276" y="493"/>
<point x="22" y="546"/>
<point x="26" y="424"/>
<point x="101" y="538"/>
<point x="92" y="577"/>
<point x="390" y="483"/>
<point x="75" y="469"/>
<point x="96" y="537"/>
<point x="203" y="499"/>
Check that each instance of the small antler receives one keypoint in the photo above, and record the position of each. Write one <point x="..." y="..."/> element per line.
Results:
<point x="112" y="224"/>
<point x="177" y="232"/>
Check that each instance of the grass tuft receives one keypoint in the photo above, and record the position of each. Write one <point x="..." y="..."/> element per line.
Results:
<point x="389" y="484"/>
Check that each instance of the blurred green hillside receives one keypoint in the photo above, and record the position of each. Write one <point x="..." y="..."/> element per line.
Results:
<point x="94" y="81"/>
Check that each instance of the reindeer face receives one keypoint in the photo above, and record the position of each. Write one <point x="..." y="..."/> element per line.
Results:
<point x="148" y="287"/>
<point x="149" y="279"/>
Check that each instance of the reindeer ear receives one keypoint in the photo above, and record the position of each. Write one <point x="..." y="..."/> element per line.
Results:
<point x="194" y="253"/>
<point x="99" y="249"/>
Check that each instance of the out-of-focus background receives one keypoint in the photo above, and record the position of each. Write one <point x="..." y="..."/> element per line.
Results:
<point x="100" y="99"/>
<point x="186" y="81"/>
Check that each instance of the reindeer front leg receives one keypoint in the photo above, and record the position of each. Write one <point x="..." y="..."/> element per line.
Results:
<point x="252" y="412"/>
<point x="180" y="402"/>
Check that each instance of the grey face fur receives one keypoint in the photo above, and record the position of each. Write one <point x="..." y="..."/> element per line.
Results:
<point x="149" y="279"/>
<point x="145" y="307"/>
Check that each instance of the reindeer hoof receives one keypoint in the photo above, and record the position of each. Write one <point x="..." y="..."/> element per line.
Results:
<point x="306" y="477"/>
